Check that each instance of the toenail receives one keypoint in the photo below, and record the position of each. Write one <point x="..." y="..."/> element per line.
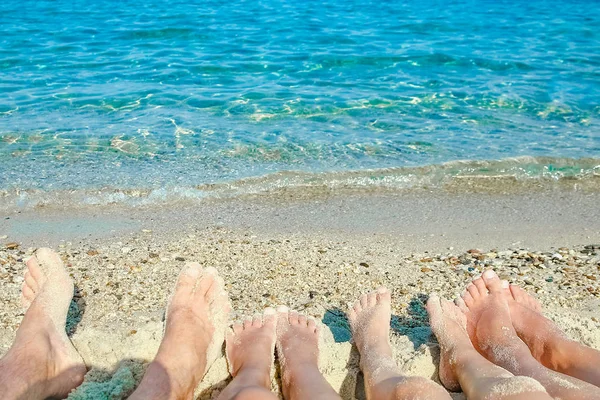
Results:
<point x="489" y="274"/>
<point x="269" y="311"/>
<point x="283" y="309"/>
<point x="505" y="284"/>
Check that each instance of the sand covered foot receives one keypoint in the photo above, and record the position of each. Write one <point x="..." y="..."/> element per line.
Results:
<point x="460" y="362"/>
<point x="370" y="323"/>
<point x="488" y="319"/>
<point x="194" y="334"/>
<point x="547" y="342"/>
<point x="251" y="346"/>
<point x="298" y="351"/>
<point x="491" y="330"/>
<point x="449" y="325"/>
<point x="42" y="355"/>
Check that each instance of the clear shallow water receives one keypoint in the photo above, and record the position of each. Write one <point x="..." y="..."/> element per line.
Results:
<point x="157" y="94"/>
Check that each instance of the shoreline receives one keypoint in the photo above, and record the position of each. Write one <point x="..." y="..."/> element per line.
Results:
<point x="424" y="220"/>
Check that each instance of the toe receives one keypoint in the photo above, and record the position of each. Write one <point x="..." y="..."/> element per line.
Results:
<point x="207" y="280"/>
<point x="247" y="323"/>
<point x="257" y="321"/>
<point x="364" y="301"/>
<point x="186" y="282"/>
<point x="468" y="299"/>
<point x="29" y="281"/>
<point x="312" y="323"/>
<point x="472" y="289"/>
<point x="269" y="317"/>
<point x="516" y="293"/>
<point x="27" y="293"/>
<point x="283" y="319"/>
<point x="460" y="303"/>
<point x="294" y="318"/>
<point x="357" y="307"/>
<point x="351" y="313"/>
<point x="372" y="299"/>
<point x="383" y="296"/>
<point x="434" y="308"/>
<point x="480" y="285"/>
<point x="34" y="270"/>
<point x="302" y="320"/>
<point x="492" y="282"/>
<point x="238" y="328"/>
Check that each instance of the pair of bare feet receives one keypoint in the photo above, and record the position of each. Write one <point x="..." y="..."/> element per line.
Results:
<point x="495" y="343"/>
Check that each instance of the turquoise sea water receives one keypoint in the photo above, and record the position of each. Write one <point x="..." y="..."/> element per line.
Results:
<point x="168" y="96"/>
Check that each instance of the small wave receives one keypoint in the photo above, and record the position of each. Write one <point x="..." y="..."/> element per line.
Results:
<point x="521" y="174"/>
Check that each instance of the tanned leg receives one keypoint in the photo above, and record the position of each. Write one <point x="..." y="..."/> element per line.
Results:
<point x="194" y="334"/>
<point x="462" y="367"/>
<point x="42" y="362"/>
<point x="491" y="331"/>
<point x="298" y="351"/>
<point x="250" y="352"/>
<point x="370" y="322"/>
<point x="548" y="344"/>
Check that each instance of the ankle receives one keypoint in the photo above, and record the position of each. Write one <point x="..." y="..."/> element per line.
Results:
<point x="254" y="376"/>
<point x="559" y="353"/>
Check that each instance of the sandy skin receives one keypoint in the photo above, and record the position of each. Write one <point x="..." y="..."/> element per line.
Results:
<point x="42" y="362"/>
<point x="250" y="348"/>
<point x="194" y="334"/>
<point x="462" y="367"/>
<point x="298" y="352"/>
<point x="548" y="344"/>
<point x="490" y="329"/>
<point x="370" y="322"/>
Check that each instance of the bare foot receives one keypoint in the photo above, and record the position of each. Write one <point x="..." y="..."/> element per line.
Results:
<point x="490" y="328"/>
<point x="42" y="358"/>
<point x="251" y="347"/>
<point x="460" y="362"/>
<point x="298" y="352"/>
<point x="547" y="343"/>
<point x="370" y="323"/>
<point x="449" y="326"/>
<point x="488" y="320"/>
<point x="194" y="334"/>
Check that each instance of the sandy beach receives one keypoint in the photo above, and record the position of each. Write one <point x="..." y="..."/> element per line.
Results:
<point x="314" y="255"/>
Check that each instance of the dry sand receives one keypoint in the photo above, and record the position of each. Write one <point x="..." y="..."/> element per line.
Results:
<point x="124" y="277"/>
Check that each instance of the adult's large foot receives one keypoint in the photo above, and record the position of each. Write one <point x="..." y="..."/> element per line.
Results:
<point x="298" y="351"/>
<point x="547" y="343"/>
<point x="370" y="323"/>
<point x="194" y="334"/>
<point x="491" y="330"/>
<point x="42" y="362"/>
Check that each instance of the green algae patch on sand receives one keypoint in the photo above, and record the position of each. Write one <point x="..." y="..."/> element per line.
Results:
<point x="120" y="385"/>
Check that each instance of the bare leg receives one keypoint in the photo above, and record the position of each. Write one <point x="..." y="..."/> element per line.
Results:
<point x="490" y="328"/>
<point x="194" y="335"/>
<point x="370" y="323"/>
<point x="250" y="352"/>
<point x="298" y="351"/>
<point x="42" y="362"/>
<point x="548" y="344"/>
<point x="461" y="366"/>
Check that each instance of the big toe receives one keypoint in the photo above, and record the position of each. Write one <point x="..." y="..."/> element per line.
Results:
<point x="434" y="308"/>
<point x="492" y="282"/>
